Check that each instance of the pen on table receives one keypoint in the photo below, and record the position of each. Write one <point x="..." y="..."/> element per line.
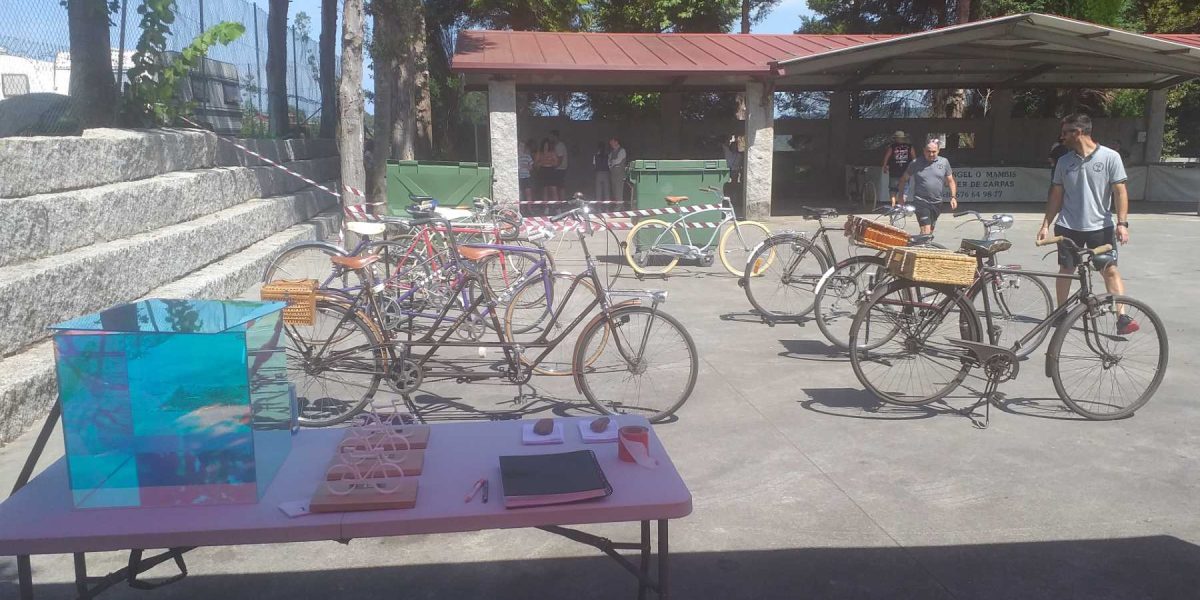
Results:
<point x="475" y="490"/>
<point x="485" y="491"/>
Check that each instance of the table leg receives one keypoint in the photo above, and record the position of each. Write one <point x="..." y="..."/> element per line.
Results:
<point x="663" y="561"/>
<point x="25" y="577"/>
<point x="81" y="576"/>
<point x="645" y="562"/>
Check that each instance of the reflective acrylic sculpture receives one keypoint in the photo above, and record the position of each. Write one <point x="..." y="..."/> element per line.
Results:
<point x="174" y="402"/>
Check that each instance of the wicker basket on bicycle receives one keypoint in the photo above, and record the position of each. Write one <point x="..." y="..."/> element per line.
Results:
<point x="932" y="265"/>
<point x="300" y="295"/>
<point x="874" y="234"/>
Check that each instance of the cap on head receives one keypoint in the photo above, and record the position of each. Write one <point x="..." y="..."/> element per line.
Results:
<point x="900" y="136"/>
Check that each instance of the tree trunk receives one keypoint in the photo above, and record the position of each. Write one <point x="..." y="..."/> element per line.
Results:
<point x="423" y="108"/>
<point x="745" y="16"/>
<point x="405" y="103"/>
<point x="350" y="103"/>
<point x="277" y="67"/>
<point x="963" y="11"/>
<point x="92" y="86"/>
<point x="383" y="53"/>
<point x="328" y="68"/>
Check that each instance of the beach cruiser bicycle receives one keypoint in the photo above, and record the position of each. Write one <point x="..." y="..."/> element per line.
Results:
<point x="654" y="246"/>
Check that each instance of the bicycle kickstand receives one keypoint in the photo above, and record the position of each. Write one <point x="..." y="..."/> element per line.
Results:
<point x="989" y="396"/>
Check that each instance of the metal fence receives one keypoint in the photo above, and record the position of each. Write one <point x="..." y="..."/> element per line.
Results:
<point x="34" y="40"/>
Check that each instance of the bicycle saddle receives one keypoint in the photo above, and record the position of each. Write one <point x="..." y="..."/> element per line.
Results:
<point x="809" y="212"/>
<point x="675" y="199"/>
<point x="920" y="239"/>
<point x="421" y="199"/>
<point x="355" y="263"/>
<point x="474" y="254"/>
<point x="985" y="247"/>
<point x="421" y="211"/>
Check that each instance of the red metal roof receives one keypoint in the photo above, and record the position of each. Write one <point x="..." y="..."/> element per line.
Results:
<point x="1187" y="39"/>
<point x="682" y="53"/>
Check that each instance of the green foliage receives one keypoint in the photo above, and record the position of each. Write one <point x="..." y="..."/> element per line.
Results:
<point x="154" y="83"/>
<point x="528" y="15"/>
<point x="655" y="16"/>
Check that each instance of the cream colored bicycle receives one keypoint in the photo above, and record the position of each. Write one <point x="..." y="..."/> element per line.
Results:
<point x="654" y="246"/>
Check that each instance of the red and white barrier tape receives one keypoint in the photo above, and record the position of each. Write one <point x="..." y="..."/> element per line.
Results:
<point x="545" y="202"/>
<point x="668" y="210"/>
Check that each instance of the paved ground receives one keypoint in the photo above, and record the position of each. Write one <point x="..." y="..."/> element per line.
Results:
<point x="805" y="488"/>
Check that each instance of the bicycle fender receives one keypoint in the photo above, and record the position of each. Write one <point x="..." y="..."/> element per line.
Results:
<point x="578" y="377"/>
<point x="334" y="248"/>
<point x="825" y="277"/>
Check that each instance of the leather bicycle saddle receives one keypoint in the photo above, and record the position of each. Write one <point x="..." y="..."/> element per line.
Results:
<point x="985" y="248"/>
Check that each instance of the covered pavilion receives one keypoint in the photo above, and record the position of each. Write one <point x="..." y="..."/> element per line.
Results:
<point x="1018" y="51"/>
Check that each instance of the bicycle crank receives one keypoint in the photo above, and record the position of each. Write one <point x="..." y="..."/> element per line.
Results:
<point x="471" y="329"/>
<point x="405" y="376"/>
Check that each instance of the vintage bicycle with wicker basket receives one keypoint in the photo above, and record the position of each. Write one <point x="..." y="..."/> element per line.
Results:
<point x="916" y="339"/>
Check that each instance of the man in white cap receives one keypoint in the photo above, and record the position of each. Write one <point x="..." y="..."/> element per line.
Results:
<point x="895" y="161"/>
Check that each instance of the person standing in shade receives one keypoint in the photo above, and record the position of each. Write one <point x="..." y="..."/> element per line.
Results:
<point x="525" y="170"/>
<point x="546" y="162"/>
<point x="560" y="174"/>
<point x="1056" y="152"/>
<point x="600" y="166"/>
<point x="733" y="160"/>
<point x="895" y="161"/>
<point x="931" y="175"/>
<point x="616" y="169"/>
<point x="1089" y="181"/>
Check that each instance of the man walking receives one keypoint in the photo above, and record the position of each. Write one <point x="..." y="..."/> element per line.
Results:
<point x="895" y="161"/>
<point x="560" y="172"/>
<point x="931" y="174"/>
<point x="1087" y="182"/>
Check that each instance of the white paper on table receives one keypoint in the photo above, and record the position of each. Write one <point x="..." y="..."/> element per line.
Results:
<point x="591" y="437"/>
<point x="294" y="508"/>
<point x="529" y="438"/>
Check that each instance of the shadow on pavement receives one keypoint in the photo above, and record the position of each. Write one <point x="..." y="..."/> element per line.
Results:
<point x="812" y="350"/>
<point x="1113" y="569"/>
<point x="861" y="404"/>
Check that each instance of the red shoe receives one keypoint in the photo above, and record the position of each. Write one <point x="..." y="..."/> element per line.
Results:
<point x="1126" y="325"/>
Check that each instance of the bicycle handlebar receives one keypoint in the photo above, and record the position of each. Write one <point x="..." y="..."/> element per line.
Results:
<point x="1073" y="246"/>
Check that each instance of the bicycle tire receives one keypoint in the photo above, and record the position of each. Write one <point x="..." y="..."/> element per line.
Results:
<point x="1007" y="308"/>
<point x="620" y="334"/>
<point x="779" y="282"/>
<point x="1095" y="319"/>
<point x="736" y="263"/>
<point x="307" y="260"/>
<point x="842" y="291"/>
<point x="640" y="242"/>
<point x="559" y="360"/>
<point x="870" y="196"/>
<point x="501" y="272"/>
<point x="893" y="308"/>
<point x="365" y="350"/>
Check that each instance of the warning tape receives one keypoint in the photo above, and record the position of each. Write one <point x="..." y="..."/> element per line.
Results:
<point x="669" y="210"/>
<point x="545" y="202"/>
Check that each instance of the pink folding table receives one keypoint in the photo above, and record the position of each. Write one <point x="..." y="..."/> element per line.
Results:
<point x="39" y="517"/>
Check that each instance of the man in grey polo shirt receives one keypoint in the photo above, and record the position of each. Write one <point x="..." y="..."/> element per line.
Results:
<point x="1088" y="181"/>
<point x="931" y="175"/>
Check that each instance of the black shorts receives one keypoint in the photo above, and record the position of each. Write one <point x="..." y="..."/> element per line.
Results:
<point x="1085" y="239"/>
<point x="927" y="212"/>
<point x="559" y="178"/>
<point x="893" y="183"/>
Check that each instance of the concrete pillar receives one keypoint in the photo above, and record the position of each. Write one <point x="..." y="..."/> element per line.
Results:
<point x="1156" y="121"/>
<point x="1000" y="115"/>
<point x="502" y="125"/>
<point x="839" y="131"/>
<point x="670" y="105"/>
<point x="760" y="144"/>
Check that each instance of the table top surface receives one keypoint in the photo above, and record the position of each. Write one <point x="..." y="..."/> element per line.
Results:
<point x="40" y="518"/>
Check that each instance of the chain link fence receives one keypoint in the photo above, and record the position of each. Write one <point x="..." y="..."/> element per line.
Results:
<point x="35" y="57"/>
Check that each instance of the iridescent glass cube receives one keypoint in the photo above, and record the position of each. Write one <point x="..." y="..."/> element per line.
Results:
<point x="174" y="402"/>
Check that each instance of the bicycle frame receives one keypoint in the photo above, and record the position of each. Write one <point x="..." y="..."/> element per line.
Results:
<point x="682" y="223"/>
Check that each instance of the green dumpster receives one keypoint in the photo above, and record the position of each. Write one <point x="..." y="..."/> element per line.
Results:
<point x="450" y="183"/>
<point x="653" y="180"/>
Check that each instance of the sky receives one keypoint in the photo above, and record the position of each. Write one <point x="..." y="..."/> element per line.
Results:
<point x="785" y="18"/>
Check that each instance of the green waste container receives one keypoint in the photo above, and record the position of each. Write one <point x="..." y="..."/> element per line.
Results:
<point x="654" y="179"/>
<point x="450" y="183"/>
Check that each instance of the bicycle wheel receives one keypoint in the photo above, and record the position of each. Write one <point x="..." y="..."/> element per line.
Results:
<point x="335" y="364"/>
<point x="1100" y="373"/>
<point x="898" y="342"/>
<point x="1018" y="303"/>
<point x="786" y="287"/>
<point x="646" y="366"/>
<point x="309" y="260"/>
<point x="641" y="247"/>
<point x="870" y="196"/>
<point x="738" y="242"/>
<point x="503" y="273"/>
<point x="529" y="313"/>
<point x="846" y="286"/>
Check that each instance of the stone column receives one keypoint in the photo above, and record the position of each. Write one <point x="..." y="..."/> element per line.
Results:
<point x="502" y="126"/>
<point x="839" y="130"/>
<point x="760" y="143"/>
<point x="1156" y="121"/>
<point x="1001" y="122"/>
<point x="669" y="106"/>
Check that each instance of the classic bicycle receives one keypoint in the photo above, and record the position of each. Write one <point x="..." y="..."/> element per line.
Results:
<point x="653" y="246"/>
<point x="629" y="357"/>
<point x="785" y="270"/>
<point x="860" y="190"/>
<point x="1021" y="300"/>
<point x="914" y="343"/>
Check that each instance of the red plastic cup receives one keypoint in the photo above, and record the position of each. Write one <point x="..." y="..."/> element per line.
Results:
<point x="633" y="433"/>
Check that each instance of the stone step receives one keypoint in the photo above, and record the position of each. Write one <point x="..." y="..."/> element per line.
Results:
<point x="48" y="224"/>
<point x="39" y="293"/>
<point x="27" y="381"/>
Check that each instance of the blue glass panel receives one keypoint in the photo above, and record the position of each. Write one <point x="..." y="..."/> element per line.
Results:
<point x="173" y="316"/>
